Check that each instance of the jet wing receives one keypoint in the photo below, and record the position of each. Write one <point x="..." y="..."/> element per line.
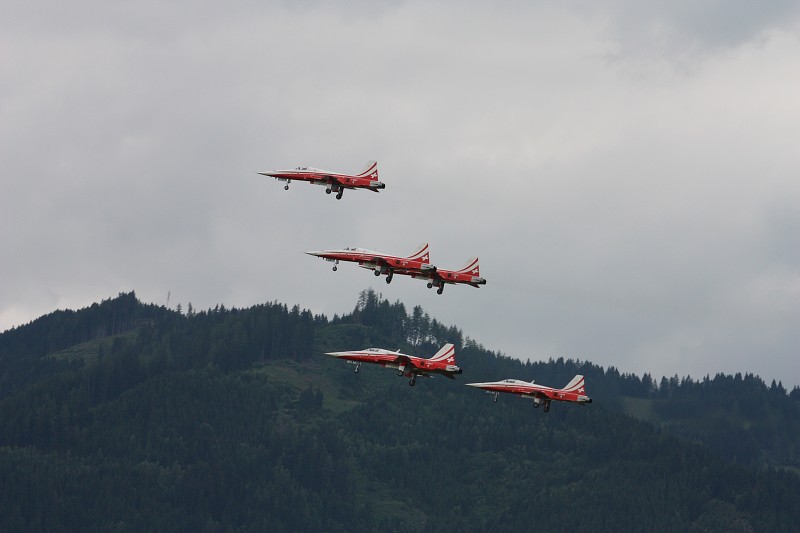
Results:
<point x="337" y="181"/>
<point x="423" y="273"/>
<point x="367" y="262"/>
<point x="333" y="180"/>
<point x="535" y="394"/>
<point x="404" y="360"/>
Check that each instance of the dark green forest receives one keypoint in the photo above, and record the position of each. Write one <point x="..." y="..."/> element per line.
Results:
<point x="126" y="416"/>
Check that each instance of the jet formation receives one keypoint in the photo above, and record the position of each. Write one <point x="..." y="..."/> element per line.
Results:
<point x="443" y="363"/>
<point x="417" y="265"/>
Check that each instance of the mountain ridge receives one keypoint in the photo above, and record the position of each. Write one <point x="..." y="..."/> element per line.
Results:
<point x="231" y="419"/>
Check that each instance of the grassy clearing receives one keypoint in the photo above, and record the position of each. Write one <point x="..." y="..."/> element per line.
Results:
<point x="313" y="372"/>
<point x="386" y="504"/>
<point x="639" y="408"/>
<point x="89" y="351"/>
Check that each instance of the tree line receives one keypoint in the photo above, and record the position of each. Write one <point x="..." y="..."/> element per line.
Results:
<point x="166" y="420"/>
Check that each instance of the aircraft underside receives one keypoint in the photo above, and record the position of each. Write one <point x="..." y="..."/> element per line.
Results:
<point x="438" y="283"/>
<point x="333" y="186"/>
<point x="402" y="371"/>
<point x="330" y="186"/>
<point x="538" y="400"/>
<point x="383" y="269"/>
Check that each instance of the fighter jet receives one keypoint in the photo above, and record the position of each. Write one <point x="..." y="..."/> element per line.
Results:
<point x="443" y="362"/>
<point x="469" y="274"/>
<point x="380" y="263"/>
<point x="333" y="181"/>
<point x="541" y="395"/>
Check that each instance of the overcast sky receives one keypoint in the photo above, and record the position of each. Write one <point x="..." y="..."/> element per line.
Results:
<point x="629" y="175"/>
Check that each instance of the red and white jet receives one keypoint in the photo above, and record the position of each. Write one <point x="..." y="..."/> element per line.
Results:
<point x="380" y="263"/>
<point x="443" y="362"/>
<point x="575" y="391"/>
<point x="333" y="181"/>
<point x="469" y="274"/>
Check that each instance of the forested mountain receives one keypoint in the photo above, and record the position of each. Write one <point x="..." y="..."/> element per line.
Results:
<point x="129" y="417"/>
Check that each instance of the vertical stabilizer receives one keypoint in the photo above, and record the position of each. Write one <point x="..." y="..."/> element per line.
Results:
<point x="421" y="254"/>
<point x="445" y="353"/>
<point x="370" y="171"/>
<point x="574" y="385"/>
<point x="471" y="267"/>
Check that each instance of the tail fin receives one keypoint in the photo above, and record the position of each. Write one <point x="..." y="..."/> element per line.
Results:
<point x="445" y="353"/>
<point x="576" y="385"/>
<point x="421" y="254"/>
<point x="470" y="268"/>
<point x="370" y="171"/>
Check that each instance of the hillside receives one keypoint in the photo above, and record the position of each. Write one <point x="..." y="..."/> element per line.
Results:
<point x="127" y="417"/>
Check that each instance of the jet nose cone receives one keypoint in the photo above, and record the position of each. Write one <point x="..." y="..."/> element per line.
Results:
<point x="343" y="354"/>
<point x="316" y="253"/>
<point x="476" y="385"/>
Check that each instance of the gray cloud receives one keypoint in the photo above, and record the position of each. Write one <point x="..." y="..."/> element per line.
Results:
<point x="678" y="31"/>
<point x="624" y="213"/>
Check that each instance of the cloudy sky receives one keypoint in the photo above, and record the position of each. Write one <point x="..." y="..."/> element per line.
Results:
<point x="629" y="175"/>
